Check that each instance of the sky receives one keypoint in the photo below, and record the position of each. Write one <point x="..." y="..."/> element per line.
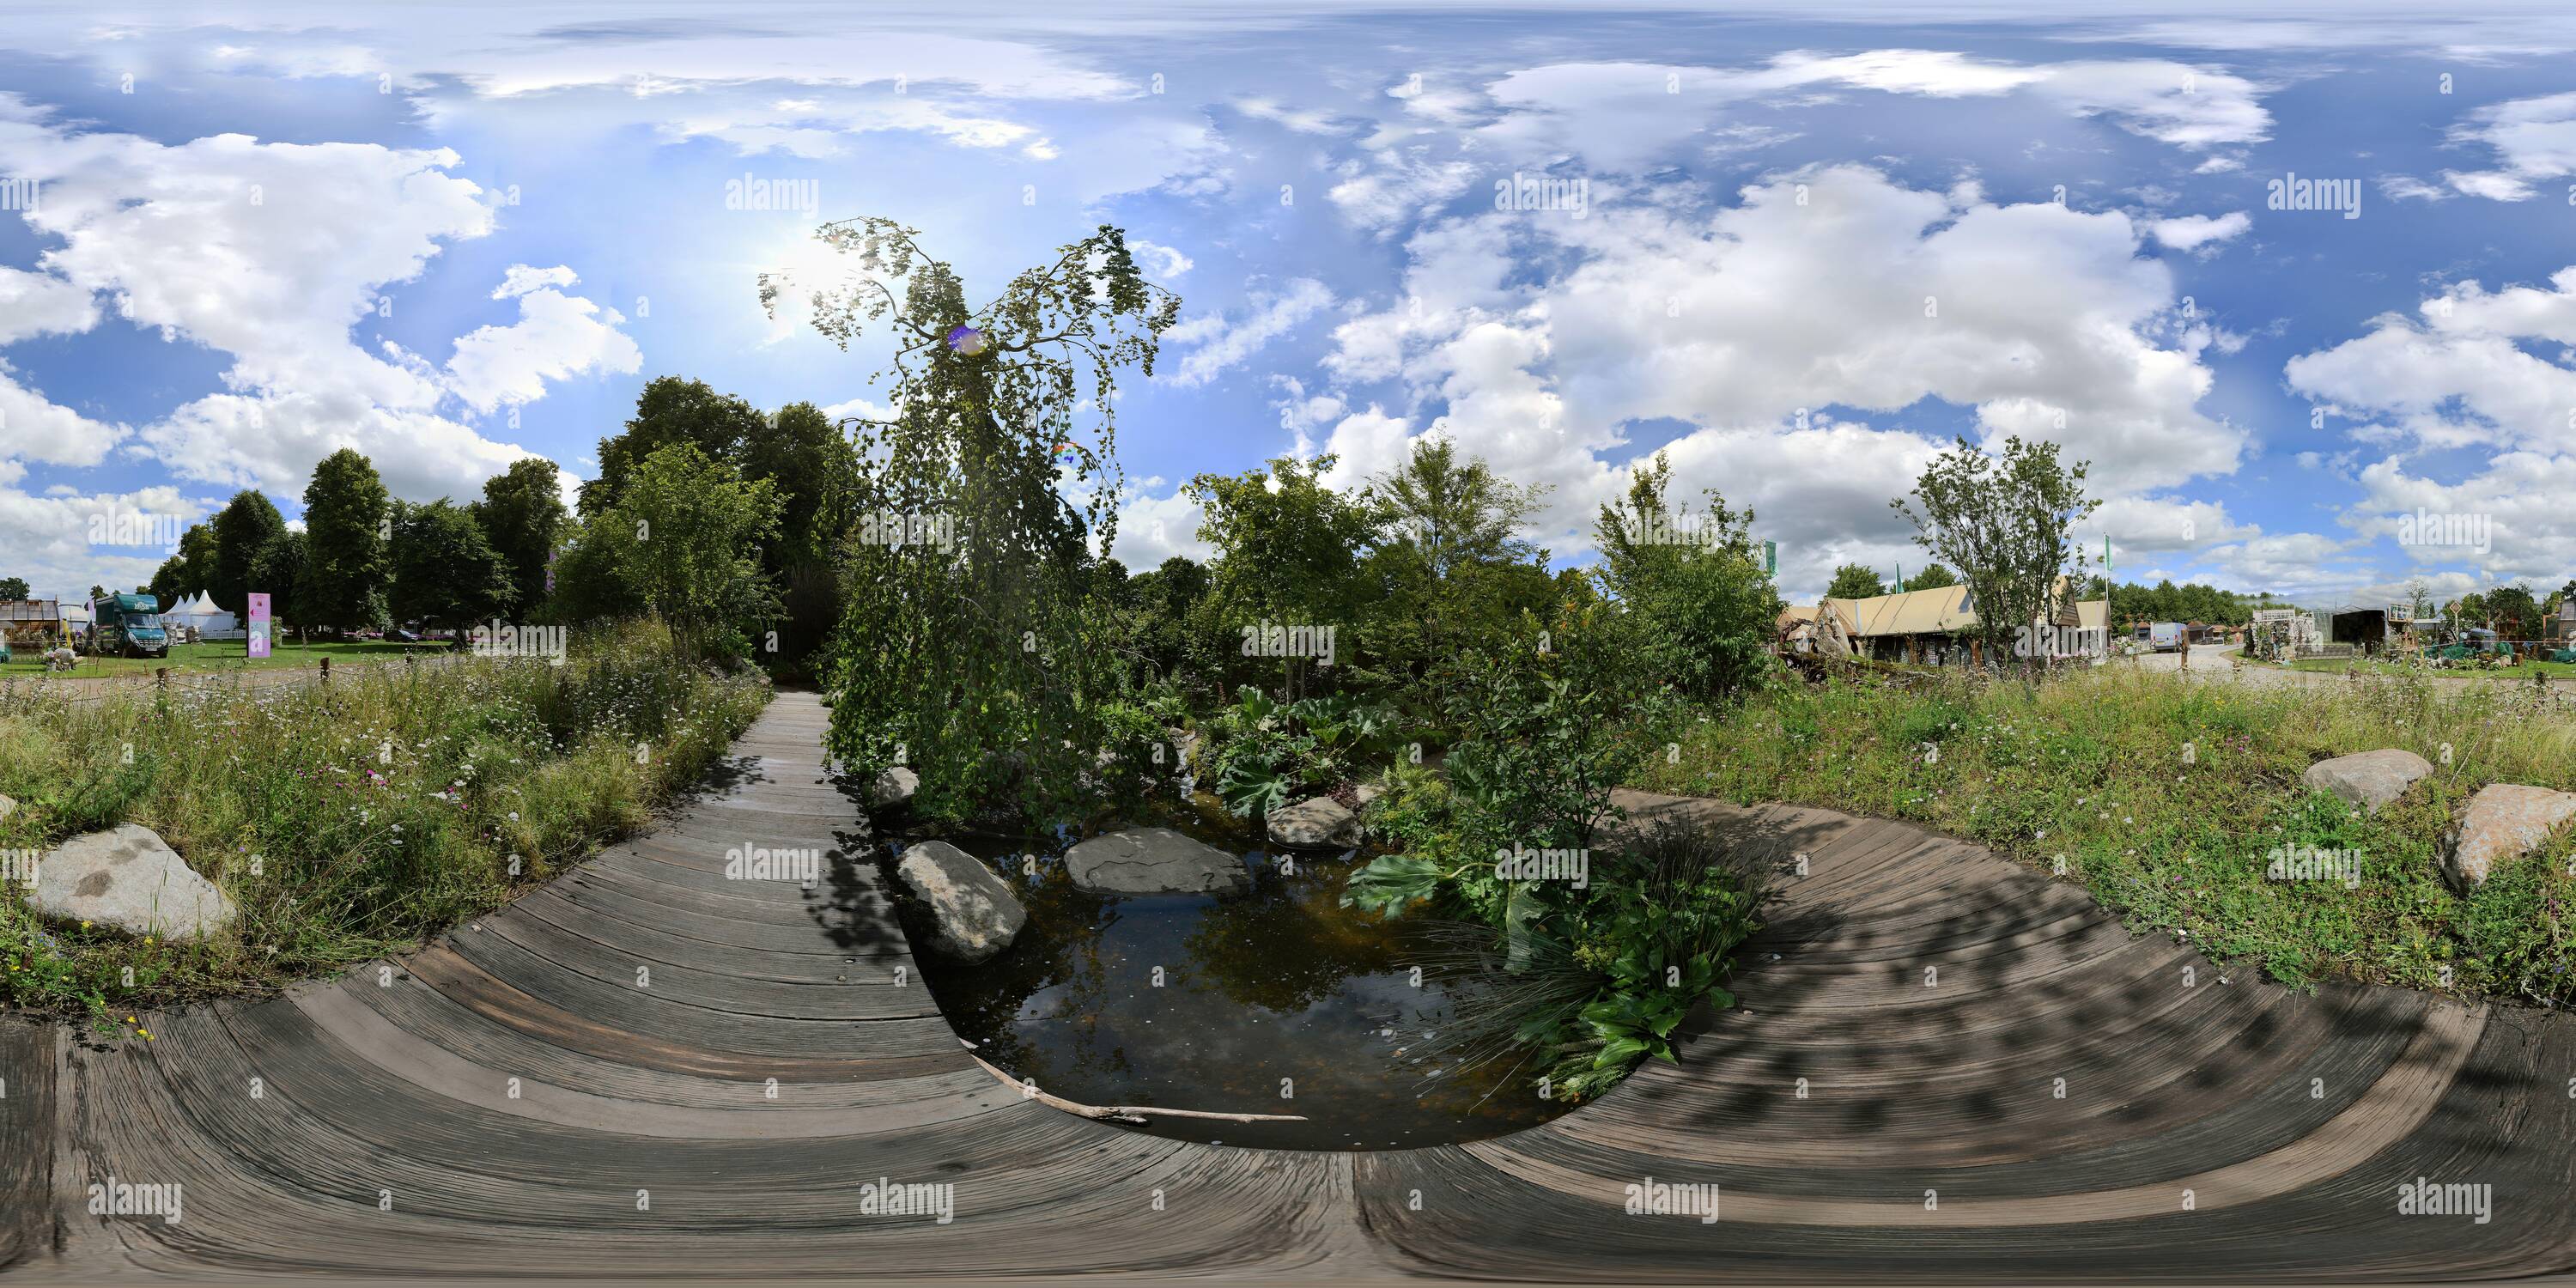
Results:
<point x="2300" y="287"/>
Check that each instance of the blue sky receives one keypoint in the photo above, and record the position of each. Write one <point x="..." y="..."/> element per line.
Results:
<point x="1799" y="252"/>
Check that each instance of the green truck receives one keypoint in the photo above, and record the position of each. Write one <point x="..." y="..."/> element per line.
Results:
<point x="129" y="626"/>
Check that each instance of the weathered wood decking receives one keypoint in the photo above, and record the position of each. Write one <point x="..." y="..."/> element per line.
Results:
<point x="518" y="1100"/>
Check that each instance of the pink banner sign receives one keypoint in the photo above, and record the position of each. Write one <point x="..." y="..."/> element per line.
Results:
<point x="259" y="625"/>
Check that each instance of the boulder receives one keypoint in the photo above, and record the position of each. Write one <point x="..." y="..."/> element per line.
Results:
<point x="1319" y="823"/>
<point x="2370" y="779"/>
<point x="893" y="788"/>
<point x="2504" y="820"/>
<point x="973" y="914"/>
<point x="1367" y="793"/>
<point x="129" y="878"/>
<point x="1155" y="860"/>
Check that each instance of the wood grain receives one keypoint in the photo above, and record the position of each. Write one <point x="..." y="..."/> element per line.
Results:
<point x="492" y="1105"/>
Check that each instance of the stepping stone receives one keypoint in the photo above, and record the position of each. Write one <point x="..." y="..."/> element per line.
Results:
<point x="2504" y="820"/>
<point x="1155" y="860"/>
<point x="1318" y="823"/>
<point x="2368" y="780"/>
<point x="129" y="878"/>
<point x="973" y="914"/>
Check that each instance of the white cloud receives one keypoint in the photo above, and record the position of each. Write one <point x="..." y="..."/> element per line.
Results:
<point x="2191" y="232"/>
<point x="2533" y="138"/>
<point x="2458" y="376"/>
<point x="1159" y="261"/>
<point x="1619" y="117"/>
<point x="274" y="254"/>
<point x="520" y="279"/>
<point x="1216" y="342"/>
<point x="556" y="338"/>
<point x="1746" y="322"/>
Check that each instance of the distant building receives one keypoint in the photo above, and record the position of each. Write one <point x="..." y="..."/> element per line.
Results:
<point x="2563" y="626"/>
<point x="1928" y="627"/>
<point x="32" y="621"/>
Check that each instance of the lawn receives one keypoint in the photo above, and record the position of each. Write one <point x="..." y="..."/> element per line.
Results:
<point x="2523" y="670"/>
<point x="347" y="821"/>
<point x="2167" y="801"/>
<point x="226" y="656"/>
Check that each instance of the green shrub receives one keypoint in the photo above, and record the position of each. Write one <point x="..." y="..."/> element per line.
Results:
<point x="352" y="819"/>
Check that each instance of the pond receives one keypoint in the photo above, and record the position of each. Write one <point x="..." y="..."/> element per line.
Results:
<point x="1279" y="1001"/>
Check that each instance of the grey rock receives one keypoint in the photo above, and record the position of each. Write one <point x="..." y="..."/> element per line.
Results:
<point x="2504" y="820"/>
<point x="893" y="788"/>
<point x="1367" y="793"/>
<point x="973" y="914"/>
<point x="2370" y="779"/>
<point x="1155" y="860"/>
<point x="1319" y="823"/>
<point x="129" y="878"/>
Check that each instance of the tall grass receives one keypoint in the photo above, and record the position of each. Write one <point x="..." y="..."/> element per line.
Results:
<point x="2167" y="800"/>
<point x="352" y="819"/>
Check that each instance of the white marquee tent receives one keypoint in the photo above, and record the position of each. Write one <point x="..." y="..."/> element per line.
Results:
<point x="201" y="614"/>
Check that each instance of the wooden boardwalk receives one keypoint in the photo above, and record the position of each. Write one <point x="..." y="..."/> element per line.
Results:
<point x="646" y="1069"/>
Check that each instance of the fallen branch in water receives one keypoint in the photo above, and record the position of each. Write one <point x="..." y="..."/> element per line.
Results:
<point x="1134" y="1114"/>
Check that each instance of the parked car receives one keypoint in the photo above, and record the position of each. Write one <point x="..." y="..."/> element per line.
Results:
<point x="2165" y="637"/>
<point x="400" y="636"/>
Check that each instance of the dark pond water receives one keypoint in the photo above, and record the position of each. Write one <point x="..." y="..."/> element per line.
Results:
<point x="1197" y="1002"/>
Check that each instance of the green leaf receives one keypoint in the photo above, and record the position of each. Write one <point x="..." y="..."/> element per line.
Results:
<point x="1390" y="883"/>
<point x="1619" y="1051"/>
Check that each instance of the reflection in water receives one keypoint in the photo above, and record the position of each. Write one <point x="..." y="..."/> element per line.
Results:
<point x="1196" y="1002"/>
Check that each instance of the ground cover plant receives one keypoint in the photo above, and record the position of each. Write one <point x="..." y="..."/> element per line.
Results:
<point x="27" y="661"/>
<point x="349" y="820"/>
<point x="2169" y="802"/>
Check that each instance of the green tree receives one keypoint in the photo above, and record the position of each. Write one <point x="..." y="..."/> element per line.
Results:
<point x="683" y="541"/>
<point x="1855" y="581"/>
<point x="244" y="527"/>
<point x="344" y="562"/>
<point x="13" y="588"/>
<point x="1707" y="608"/>
<point x="1453" y="514"/>
<point x="670" y="410"/>
<point x="2515" y="614"/>
<point x="2006" y="522"/>
<point x="1288" y="552"/>
<point x="190" y="570"/>
<point x="971" y="642"/>
<point x="800" y="452"/>
<point x="1934" y="576"/>
<point x="522" y="514"/>
<point x="285" y="564"/>
<point x="446" y="573"/>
